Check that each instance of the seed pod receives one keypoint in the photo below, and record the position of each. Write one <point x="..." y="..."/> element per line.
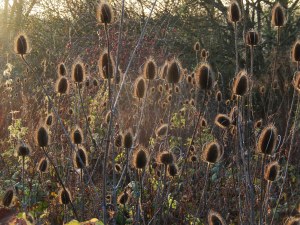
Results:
<point x="203" y="77"/>
<point x="174" y="72"/>
<point x="215" y="218"/>
<point x="8" y="197"/>
<point x="150" y="69"/>
<point x="123" y="198"/>
<point x="204" y="53"/>
<point x="64" y="196"/>
<point x="21" y="44"/>
<point x="197" y="46"/>
<point x="278" y="15"/>
<point x="296" y="52"/>
<point x="172" y="170"/>
<point x="193" y="158"/>
<point x="140" y="88"/>
<point x="222" y="121"/>
<point x="61" y="70"/>
<point x="293" y="221"/>
<point x="106" y="66"/>
<point x="140" y="159"/>
<point x="42" y="137"/>
<point x="77" y="136"/>
<point x="258" y="124"/>
<point x="219" y="96"/>
<point x="118" y="140"/>
<point x="78" y="72"/>
<point x="162" y="130"/>
<point x="118" y="168"/>
<point x="267" y="140"/>
<point x="251" y="38"/>
<point x="49" y="120"/>
<point x="203" y="122"/>
<point x="80" y="158"/>
<point x="241" y="84"/>
<point x="166" y="158"/>
<point x="272" y="171"/>
<point x="42" y="165"/>
<point x="104" y="13"/>
<point x="212" y="153"/>
<point x="234" y="12"/>
<point x="128" y="139"/>
<point x="23" y="150"/>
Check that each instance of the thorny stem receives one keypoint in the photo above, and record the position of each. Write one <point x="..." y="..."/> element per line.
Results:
<point x="236" y="49"/>
<point x="261" y="188"/>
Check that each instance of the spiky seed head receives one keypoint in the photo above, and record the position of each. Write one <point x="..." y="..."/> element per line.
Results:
<point x="150" y="69"/>
<point x="297" y="81"/>
<point x="203" y="122"/>
<point x="267" y="140"/>
<point x="118" y="168"/>
<point x="166" y="158"/>
<point x="106" y="65"/>
<point x="78" y="72"/>
<point x="104" y="13"/>
<point x="49" y="120"/>
<point x="174" y="72"/>
<point x="21" y="44"/>
<point x="203" y="77"/>
<point x="128" y="139"/>
<point x="61" y="70"/>
<point x="8" y="197"/>
<point x="241" y="83"/>
<point x="215" y="218"/>
<point x="118" y="140"/>
<point x="23" y="150"/>
<point x="42" y="137"/>
<point x="193" y="158"/>
<point x="272" y="171"/>
<point x="161" y="131"/>
<point x="223" y="121"/>
<point x="212" y="152"/>
<point x="189" y="79"/>
<point x="278" y="15"/>
<point x="234" y="12"/>
<point x="43" y="165"/>
<point x="258" y="124"/>
<point x="252" y="38"/>
<point x="293" y="221"/>
<point x="219" y="96"/>
<point x="123" y="198"/>
<point x="296" y="52"/>
<point x="80" y="158"/>
<point x="64" y="196"/>
<point x="164" y="70"/>
<point x="203" y="53"/>
<point x="172" y="170"/>
<point x="197" y="46"/>
<point x="140" y="158"/>
<point x="77" y="136"/>
<point x="140" y="88"/>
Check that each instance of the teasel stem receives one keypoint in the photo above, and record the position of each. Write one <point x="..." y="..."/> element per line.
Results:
<point x="265" y="203"/>
<point x="23" y="181"/>
<point x="203" y="195"/>
<point x="169" y="116"/>
<point x="236" y="49"/>
<point x="261" y="188"/>
<point x="289" y="154"/>
<point x="60" y="180"/>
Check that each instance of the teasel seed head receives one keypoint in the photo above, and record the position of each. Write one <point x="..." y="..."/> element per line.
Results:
<point x="204" y="77"/>
<point x="123" y="198"/>
<point x="80" y="158"/>
<point x="128" y="139"/>
<point x="172" y="170"/>
<point x="161" y="131"/>
<point x="204" y="54"/>
<point x="219" y="96"/>
<point x="252" y="38"/>
<point x="193" y="158"/>
<point x="258" y="124"/>
<point x="234" y="12"/>
<point x="293" y="221"/>
<point x="61" y="70"/>
<point x="215" y="218"/>
<point x="150" y="69"/>
<point x="272" y="171"/>
<point x="203" y="122"/>
<point x="42" y="137"/>
<point x="64" y="196"/>
<point x="165" y="158"/>
<point x="49" y="120"/>
<point x="278" y="15"/>
<point x="241" y="83"/>
<point x="21" y="45"/>
<point x="267" y="140"/>
<point x="118" y="168"/>
<point x="197" y="46"/>
<point x="174" y="72"/>
<point x="296" y="52"/>
<point x="140" y="88"/>
<point x="189" y="79"/>
<point x="212" y="152"/>
<point x="105" y="65"/>
<point x="43" y="165"/>
<point x="223" y="121"/>
<point x="23" y="150"/>
<point x="118" y="140"/>
<point x="140" y="158"/>
<point x="104" y="13"/>
<point x="78" y="72"/>
<point x="8" y="198"/>
<point x="77" y="136"/>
